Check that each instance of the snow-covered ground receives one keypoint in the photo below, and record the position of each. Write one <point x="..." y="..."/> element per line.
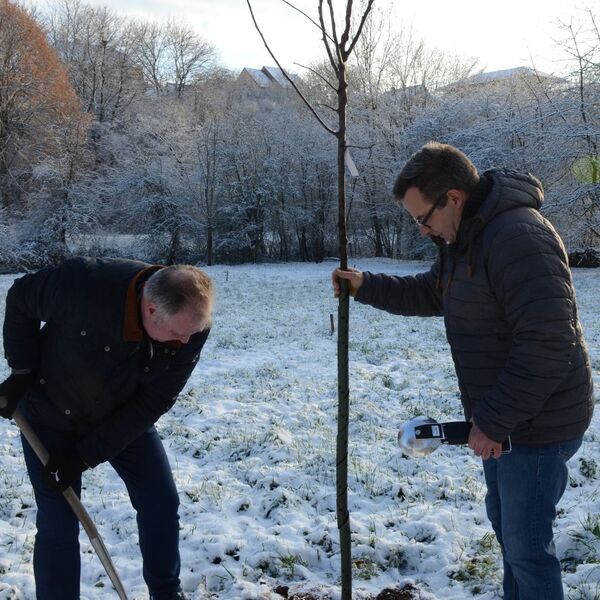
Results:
<point x="252" y="446"/>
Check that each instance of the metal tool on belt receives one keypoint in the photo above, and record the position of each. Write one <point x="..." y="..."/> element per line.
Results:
<point x="422" y="435"/>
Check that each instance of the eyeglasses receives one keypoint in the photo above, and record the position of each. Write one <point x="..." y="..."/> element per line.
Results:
<point x="422" y="221"/>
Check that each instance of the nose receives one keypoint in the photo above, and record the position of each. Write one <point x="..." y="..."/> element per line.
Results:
<point x="184" y="339"/>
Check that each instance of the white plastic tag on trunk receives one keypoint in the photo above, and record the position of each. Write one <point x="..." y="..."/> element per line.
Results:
<point x="350" y="163"/>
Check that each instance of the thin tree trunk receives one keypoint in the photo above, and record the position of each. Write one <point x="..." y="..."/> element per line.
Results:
<point x="343" y="516"/>
<point x="209" y="246"/>
<point x="174" y="247"/>
<point x="378" y="236"/>
<point x="338" y="51"/>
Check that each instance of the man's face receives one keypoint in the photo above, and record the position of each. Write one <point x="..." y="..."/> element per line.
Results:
<point x="442" y="222"/>
<point x="168" y="328"/>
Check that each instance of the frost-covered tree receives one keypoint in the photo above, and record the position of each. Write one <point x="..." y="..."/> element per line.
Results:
<point x="98" y="47"/>
<point x="191" y="57"/>
<point x="150" y="51"/>
<point x="213" y="170"/>
<point x="40" y="116"/>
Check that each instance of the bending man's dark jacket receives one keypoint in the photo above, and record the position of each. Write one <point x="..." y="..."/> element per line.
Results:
<point x="504" y="289"/>
<point x="92" y="359"/>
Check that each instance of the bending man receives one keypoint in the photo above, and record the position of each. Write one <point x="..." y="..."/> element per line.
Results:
<point x="120" y="340"/>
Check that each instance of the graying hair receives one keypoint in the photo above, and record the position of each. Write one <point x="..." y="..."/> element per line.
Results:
<point x="181" y="287"/>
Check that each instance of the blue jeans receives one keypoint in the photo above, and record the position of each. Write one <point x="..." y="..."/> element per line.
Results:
<point x="524" y="488"/>
<point x="144" y="468"/>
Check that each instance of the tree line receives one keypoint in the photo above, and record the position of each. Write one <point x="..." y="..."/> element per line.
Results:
<point x="115" y="129"/>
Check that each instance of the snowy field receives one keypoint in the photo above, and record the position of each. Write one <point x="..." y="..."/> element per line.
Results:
<point x="252" y="445"/>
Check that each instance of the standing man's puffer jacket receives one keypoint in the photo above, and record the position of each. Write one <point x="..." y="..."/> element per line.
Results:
<point x="505" y="292"/>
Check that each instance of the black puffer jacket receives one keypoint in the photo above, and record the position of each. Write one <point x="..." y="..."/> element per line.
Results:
<point x="92" y="360"/>
<point x="505" y="291"/>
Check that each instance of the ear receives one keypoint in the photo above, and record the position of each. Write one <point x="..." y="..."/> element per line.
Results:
<point x="148" y="308"/>
<point x="457" y="197"/>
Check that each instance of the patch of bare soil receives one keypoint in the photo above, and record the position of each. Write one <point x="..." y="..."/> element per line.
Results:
<point x="406" y="592"/>
<point x="285" y="592"/>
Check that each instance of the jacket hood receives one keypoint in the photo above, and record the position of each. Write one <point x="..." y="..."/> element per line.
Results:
<point x="510" y="189"/>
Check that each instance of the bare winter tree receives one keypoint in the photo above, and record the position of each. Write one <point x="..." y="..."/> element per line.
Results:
<point x="394" y="76"/>
<point x="576" y="140"/>
<point x="339" y="43"/>
<point x="208" y="151"/>
<point x="190" y="56"/>
<point x="372" y="62"/>
<point x="97" y="47"/>
<point x="581" y="42"/>
<point x="150" y="52"/>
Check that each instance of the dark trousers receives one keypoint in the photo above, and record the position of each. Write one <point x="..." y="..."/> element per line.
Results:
<point x="144" y="468"/>
<point x="524" y="488"/>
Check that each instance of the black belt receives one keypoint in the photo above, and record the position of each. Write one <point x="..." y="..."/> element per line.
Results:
<point x="452" y="432"/>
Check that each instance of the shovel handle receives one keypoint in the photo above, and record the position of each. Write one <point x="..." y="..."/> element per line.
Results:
<point x="74" y="502"/>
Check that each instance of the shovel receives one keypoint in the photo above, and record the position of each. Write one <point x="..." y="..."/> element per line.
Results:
<point x="74" y="502"/>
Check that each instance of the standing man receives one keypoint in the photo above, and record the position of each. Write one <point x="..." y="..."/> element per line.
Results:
<point x="503" y="285"/>
<point x="119" y="341"/>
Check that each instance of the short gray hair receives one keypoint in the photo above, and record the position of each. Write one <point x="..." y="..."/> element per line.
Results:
<point x="181" y="287"/>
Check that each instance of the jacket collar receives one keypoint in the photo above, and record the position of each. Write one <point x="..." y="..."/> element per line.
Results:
<point x="132" y="320"/>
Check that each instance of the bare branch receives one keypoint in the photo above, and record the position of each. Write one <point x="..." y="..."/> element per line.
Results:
<point x="335" y="110"/>
<point x="346" y="33"/>
<point x="314" y="71"/>
<point x="308" y="17"/>
<point x="369" y="147"/>
<point x="543" y="88"/>
<point x="291" y="81"/>
<point x="334" y="29"/>
<point x="332" y="60"/>
<point x="595" y="27"/>
<point x="361" y="25"/>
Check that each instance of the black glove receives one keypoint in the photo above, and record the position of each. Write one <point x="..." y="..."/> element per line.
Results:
<point x="12" y="390"/>
<point x="62" y="469"/>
